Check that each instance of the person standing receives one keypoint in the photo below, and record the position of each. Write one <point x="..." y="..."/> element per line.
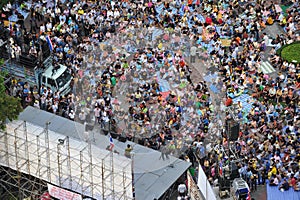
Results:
<point x="128" y="151"/>
<point x="181" y="190"/>
<point x="97" y="114"/>
<point x="193" y="53"/>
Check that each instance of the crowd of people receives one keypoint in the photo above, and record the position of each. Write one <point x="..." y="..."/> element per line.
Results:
<point x="126" y="76"/>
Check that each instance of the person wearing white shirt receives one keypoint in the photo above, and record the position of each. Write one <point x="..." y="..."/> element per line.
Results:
<point x="181" y="190"/>
<point x="116" y="13"/>
<point x="71" y="115"/>
<point x="110" y="13"/>
<point x="42" y="28"/>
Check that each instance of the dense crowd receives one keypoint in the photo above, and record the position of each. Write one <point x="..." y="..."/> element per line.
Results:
<point x="145" y="90"/>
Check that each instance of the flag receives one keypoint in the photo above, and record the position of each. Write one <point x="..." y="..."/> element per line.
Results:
<point x="49" y="42"/>
<point x="11" y="28"/>
<point x="111" y="143"/>
<point x="220" y="169"/>
<point x="248" y="196"/>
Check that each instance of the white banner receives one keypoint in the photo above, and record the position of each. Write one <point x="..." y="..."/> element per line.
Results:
<point x="63" y="194"/>
<point x="204" y="186"/>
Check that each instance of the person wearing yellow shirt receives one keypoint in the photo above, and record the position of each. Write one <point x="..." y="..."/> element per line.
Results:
<point x="270" y="20"/>
<point x="160" y="46"/>
<point x="80" y="11"/>
<point x="274" y="170"/>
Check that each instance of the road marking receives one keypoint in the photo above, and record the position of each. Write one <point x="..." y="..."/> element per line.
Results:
<point x="267" y="68"/>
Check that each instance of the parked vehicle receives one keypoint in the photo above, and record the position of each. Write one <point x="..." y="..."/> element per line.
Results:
<point x="240" y="189"/>
<point x="57" y="77"/>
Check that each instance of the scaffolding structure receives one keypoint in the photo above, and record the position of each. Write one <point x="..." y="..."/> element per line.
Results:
<point x="32" y="157"/>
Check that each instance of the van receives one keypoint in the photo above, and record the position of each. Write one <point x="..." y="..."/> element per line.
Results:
<point x="240" y="189"/>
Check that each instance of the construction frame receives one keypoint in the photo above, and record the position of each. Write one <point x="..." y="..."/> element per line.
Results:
<point x="32" y="157"/>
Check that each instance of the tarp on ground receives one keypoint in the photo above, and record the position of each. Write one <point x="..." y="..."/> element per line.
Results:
<point x="273" y="193"/>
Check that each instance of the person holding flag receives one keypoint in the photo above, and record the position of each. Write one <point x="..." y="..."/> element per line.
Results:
<point x="49" y="42"/>
<point x="111" y="143"/>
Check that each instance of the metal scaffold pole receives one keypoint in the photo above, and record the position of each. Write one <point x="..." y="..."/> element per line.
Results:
<point x="48" y="150"/>
<point x="6" y="148"/>
<point x="69" y="161"/>
<point x="112" y="173"/>
<point x="26" y="148"/>
<point x="59" y="164"/>
<point x="17" y="162"/>
<point x="81" y="171"/>
<point x="91" y="168"/>
<point x="38" y="155"/>
<point x="103" y="178"/>
<point x="124" y="186"/>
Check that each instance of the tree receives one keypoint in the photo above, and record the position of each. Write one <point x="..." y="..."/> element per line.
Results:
<point x="10" y="107"/>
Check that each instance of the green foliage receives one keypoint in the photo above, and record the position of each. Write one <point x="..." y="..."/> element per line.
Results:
<point x="290" y="52"/>
<point x="1" y="61"/>
<point x="10" y="107"/>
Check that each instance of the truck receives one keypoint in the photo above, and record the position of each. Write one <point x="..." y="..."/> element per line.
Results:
<point x="27" y="69"/>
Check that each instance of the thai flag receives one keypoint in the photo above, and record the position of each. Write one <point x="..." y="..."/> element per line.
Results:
<point x="111" y="143"/>
<point x="11" y="28"/>
<point x="248" y="196"/>
<point x="49" y="42"/>
<point x="220" y="169"/>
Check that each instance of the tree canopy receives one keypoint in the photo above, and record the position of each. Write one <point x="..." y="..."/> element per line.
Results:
<point x="10" y="107"/>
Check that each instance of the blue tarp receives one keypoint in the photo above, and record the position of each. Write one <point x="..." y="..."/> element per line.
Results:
<point x="273" y="193"/>
<point x="246" y="101"/>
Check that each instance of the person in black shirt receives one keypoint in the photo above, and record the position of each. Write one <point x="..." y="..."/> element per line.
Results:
<point x="284" y="186"/>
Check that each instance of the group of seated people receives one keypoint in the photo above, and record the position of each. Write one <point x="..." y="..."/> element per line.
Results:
<point x="286" y="183"/>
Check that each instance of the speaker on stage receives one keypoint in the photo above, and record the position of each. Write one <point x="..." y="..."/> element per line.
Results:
<point x="141" y="141"/>
<point x="104" y="132"/>
<point x="122" y="138"/>
<point x="114" y="135"/>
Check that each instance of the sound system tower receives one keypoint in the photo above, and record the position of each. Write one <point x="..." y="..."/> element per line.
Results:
<point x="224" y="183"/>
<point x="234" y="130"/>
<point x="234" y="171"/>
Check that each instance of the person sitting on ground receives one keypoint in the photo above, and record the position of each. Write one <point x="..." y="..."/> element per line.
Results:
<point x="274" y="181"/>
<point x="284" y="186"/>
<point x="297" y="186"/>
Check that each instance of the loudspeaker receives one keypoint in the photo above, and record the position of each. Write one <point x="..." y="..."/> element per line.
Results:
<point x="224" y="183"/>
<point x="105" y="132"/>
<point x="234" y="171"/>
<point x="234" y="130"/>
<point x="141" y="141"/>
<point x="114" y="135"/>
<point x="122" y="138"/>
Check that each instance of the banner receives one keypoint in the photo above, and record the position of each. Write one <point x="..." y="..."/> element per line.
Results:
<point x="193" y="188"/>
<point x="62" y="194"/>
